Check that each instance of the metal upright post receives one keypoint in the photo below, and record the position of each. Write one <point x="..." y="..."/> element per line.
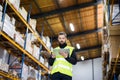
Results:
<point x="23" y="56"/>
<point x="108" y="10"/>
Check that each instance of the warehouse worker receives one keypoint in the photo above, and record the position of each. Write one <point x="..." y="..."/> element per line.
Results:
<point x="62" y="64"/>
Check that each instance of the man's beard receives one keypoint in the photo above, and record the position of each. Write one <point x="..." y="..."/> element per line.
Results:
<point x="62" y="42"/>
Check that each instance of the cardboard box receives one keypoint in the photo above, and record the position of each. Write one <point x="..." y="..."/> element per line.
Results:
<point x="15" y="3"/>
<point x="29" y="47"/>
<point x="23" y="12"/>
<point x="42" y="60"/>
<point x="36" y="52"/>
<point x="13" y="21"/>
<point x="19" y="39"/>
<point x="25" y="72"/>
<point x="3" y="55"/>
<point x="43" y="39"/>
<point x="33" y="23"/>
<point x="1" y="8"/>
<point x="4" y="67"/>
<point x="7" y="18"/>
<point x="9" y="29"/>
<point x="32" y="74"/>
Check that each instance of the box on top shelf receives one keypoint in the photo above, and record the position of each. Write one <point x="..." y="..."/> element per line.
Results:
<point x="15" y="3"/>
<point x="33" y="23"/>
<point x="23" y="12"/>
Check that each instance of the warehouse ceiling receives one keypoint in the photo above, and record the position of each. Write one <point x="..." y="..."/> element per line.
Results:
<point x="54" y="16"/>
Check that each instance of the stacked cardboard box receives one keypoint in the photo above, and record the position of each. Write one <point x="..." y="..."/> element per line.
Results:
<point x="4" y="67"/>
<point x="8" y="27"/>
<point x="42" y="60"/>
<point x="15" y="3"/>
<point x="35" y="52"/>
<point x="23" y="12"/>
<point x="3" y="60"/>
<point x="29" y="46"/>
<point x="19" y="39"/>
<point x="25" y="72"/>
<point x="33" y="23"/>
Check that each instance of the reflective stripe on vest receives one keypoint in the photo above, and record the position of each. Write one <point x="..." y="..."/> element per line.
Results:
<point x="61" y="64"/>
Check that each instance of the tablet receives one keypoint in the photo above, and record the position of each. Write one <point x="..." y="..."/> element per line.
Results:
<point x="57" y="51"/>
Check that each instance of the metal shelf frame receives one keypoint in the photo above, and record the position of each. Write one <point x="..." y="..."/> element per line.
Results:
<point x="28" y="26"/>
<point x="7" y="75"/>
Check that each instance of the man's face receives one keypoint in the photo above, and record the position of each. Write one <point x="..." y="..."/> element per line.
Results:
<point x="62" y="39"/>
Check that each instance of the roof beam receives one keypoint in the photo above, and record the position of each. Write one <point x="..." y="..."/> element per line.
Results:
<point x="88" y="48"/>
<point x="80" y="33"/>
<point x="62" y="10"/>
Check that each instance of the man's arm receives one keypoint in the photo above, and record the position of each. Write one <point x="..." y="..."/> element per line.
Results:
<point x="72" y="59"/>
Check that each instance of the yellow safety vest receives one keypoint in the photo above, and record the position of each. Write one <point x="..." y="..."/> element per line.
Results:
<point x="61" y="64"/>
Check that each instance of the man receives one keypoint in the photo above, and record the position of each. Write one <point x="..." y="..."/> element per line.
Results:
<point x="62" y="63"/>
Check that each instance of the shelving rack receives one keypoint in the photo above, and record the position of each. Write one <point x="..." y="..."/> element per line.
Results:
<point x="15" y="46"/>
<point x="7" y="75"/>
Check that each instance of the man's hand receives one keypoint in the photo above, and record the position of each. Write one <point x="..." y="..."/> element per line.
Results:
<point x="65" y="55"/>
<point x="53" y="55"/>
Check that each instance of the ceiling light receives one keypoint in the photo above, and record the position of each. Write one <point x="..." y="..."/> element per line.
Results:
<point x="72" y="27"/>
<point x="82" y="58"/>
<point x="78" y="46"/>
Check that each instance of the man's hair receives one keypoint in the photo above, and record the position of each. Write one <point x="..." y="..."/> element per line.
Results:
<point x="62" y="33"/>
